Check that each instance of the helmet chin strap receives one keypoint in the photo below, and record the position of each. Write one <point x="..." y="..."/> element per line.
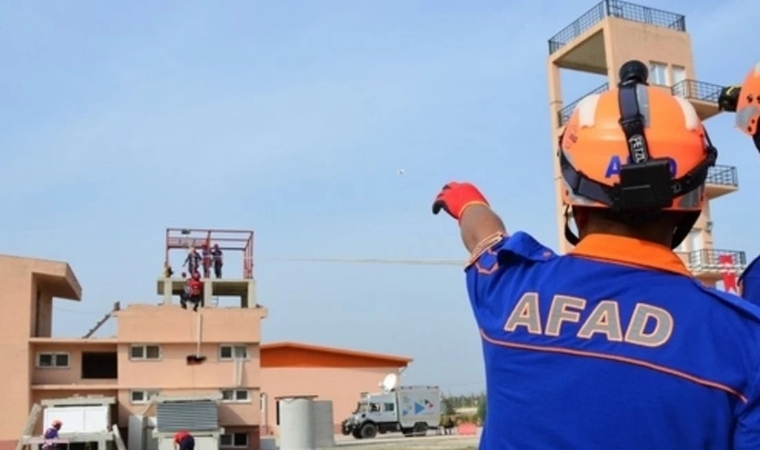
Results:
<point x="679" y="233"/>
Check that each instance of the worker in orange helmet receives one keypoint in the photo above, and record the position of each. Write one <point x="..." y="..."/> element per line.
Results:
<point x="744" y="100"/>
<point x="183" y="440"/>
<point x="615" y="345"/>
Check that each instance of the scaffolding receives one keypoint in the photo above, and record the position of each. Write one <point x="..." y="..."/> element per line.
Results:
<point x="228" y="240"/>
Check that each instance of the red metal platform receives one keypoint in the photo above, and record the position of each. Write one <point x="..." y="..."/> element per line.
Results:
<point x="228" y="240"/>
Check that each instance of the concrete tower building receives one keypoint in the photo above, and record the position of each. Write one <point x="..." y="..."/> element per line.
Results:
<point x="599" y="42"/>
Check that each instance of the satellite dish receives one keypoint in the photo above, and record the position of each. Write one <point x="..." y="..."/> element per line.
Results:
<point x="389" y="382"/>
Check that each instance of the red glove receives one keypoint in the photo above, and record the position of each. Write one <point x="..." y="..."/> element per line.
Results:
<point x="455" y="197"/>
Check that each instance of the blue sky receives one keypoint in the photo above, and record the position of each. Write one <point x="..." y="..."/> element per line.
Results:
<point x="291" y="119"/>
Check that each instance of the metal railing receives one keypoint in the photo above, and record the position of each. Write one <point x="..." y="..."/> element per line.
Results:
<point x="697" y="90"/>
<point x="716" y="261"/>
<point x="619" y="9"/>
<point x="723" y="176"/>
<point x="688" y="89"/>
<point x="563" y="115"/>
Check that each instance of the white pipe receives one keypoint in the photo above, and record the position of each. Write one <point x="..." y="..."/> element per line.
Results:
<point x="199" y="330"/>
<point x="264" y="401"/>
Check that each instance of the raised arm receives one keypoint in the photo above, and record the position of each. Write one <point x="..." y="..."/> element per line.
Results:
<point x="479" y="225"/>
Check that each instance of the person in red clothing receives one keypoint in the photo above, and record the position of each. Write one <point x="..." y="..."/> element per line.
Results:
<point x="195" y="286"/>
<point x="184" y="441"/>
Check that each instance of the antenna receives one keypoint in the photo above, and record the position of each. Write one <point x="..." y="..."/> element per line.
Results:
<point x="389" y="382"/>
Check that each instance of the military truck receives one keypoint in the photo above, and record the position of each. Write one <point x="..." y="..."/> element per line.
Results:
<point x="412" y="410"/>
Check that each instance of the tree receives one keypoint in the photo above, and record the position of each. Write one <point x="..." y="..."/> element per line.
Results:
<point x="482" y="410"/>
<point x="448" y="406"/>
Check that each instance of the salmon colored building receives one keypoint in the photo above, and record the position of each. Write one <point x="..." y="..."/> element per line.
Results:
<point x="161" y="351"/>
<point x="290" y="369"/>
<point x="598" y="43"/>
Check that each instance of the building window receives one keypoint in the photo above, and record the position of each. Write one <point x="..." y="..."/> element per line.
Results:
<point x="233" y="440"/>
<point x="658" y="74"/>
<point x="236" y="395"/>
<point x="52" y="360"/>
<point x="679" y="74"/>
<point x="231" y="352"/>
<point x="140" y="397"/>
<point x="145" y="352"/>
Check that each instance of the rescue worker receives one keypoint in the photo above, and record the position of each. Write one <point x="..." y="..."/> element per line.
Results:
<point x="187" y="289"/>
<point x="614" y="345"/>
<point x="196" y="290"/>
<point x="192" y="261"/>
<point x="51" y="435"/>
<point x="168" y="272"/>
<point x="744" y="100"/>
<point x="206" y="262"/>
<point x="216" y="254"/>
<point x="184" y="441"/>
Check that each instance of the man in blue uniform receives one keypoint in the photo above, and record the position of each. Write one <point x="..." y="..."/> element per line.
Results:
<point x="615" y="345"/>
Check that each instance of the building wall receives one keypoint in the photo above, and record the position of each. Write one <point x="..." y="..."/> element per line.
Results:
<point x="28" y="288"/>
<point x="169" y="324"/>
<point x="341" y="385"/>
<point x="237" y="414"/>
<point x="73" y="373"/>
<point x="171" y="371"/>
<point x="15" y="329"/>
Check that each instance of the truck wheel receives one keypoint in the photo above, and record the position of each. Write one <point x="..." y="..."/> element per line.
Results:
<point x="356" y="433"/>
<point x="420" y="429"/>
<point x="368" y="431"/>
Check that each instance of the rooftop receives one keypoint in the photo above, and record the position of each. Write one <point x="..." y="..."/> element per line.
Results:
<point x="618" y="9"/>
<point x="270" y="349"/>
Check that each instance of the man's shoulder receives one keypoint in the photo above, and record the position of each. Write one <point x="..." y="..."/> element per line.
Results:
<point x="510" y="249"/>
<point x="746" y="309"/>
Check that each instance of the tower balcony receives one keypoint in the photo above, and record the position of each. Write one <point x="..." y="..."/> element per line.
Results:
<point x="721" y="180"/>
<point x="712" y="264"/>
<point x="703" y="96"/>
<point x="587" y="50"/>
<point x="563" y="115"/>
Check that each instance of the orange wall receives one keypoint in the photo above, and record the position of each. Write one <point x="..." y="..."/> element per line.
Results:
<point x="341" y="385"/>
<point x="172" y="324"/>
<point x="172" y="371"/>
<point x="72" y="375"/>
<point x="16" y="321"/>
<point x="230" y="414"/>
<point x="295" y="356"/>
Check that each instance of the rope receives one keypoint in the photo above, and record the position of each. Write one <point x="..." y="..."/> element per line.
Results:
<point x="413" y="262"/>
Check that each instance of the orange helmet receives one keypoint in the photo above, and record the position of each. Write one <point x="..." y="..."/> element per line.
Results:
<point x="748" y="105"/>
<point x="636" y="150"/>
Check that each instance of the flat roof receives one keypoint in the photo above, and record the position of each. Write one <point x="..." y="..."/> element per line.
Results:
<point x="53" y="277"/>
<point x="340" y="357"/>
<point x="72" y="341"/>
